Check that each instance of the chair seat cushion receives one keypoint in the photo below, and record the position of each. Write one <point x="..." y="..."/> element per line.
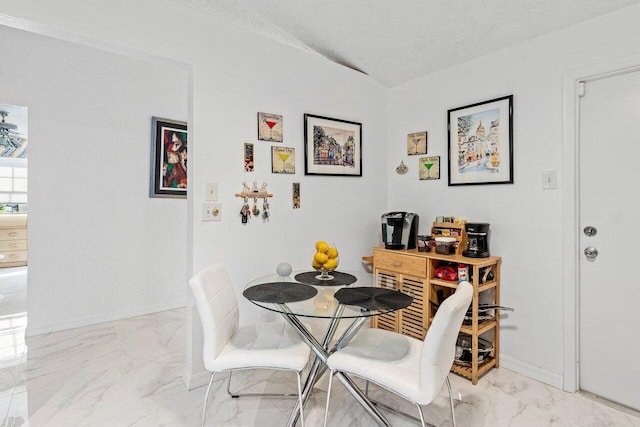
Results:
<point x="262" y="345"/>
<point x="387" y="358"/>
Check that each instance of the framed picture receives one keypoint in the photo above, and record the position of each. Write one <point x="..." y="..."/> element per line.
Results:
<point x="332" y="146"/>
<point x="296" y="195"/>
<point x="248" y="157"/>
<point x="429" y="167"/>
<point x="168" y="158"/>
<point x="269" y="127"/>
<point x="481" y="143"/>
<point x="283" y="160"/>
<point x="417" y="143"/>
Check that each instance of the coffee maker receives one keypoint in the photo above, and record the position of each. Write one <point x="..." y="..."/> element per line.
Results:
<point x="399" y="230"/>
<point x="477" y="240"/>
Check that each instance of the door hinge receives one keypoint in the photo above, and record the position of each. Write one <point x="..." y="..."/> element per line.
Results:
<point x="581" y="88"/>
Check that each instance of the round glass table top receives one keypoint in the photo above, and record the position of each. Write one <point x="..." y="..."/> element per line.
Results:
<point x="360" y="297"/>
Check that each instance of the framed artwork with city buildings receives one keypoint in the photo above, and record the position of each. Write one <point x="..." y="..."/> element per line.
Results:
<point x="332" y="146"/>
<point x="481" y="143"/>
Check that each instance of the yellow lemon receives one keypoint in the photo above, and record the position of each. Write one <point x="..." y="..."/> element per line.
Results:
<point x="321" y="245"/>
<point x="316" y="265"/>
<point x="330" y="264"/>
<point x="320" y="257"/>
<point x="332" y="253"/>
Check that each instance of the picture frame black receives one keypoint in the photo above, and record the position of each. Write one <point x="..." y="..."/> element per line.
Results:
<point x="332" y="146"/>
<point x="168" y="158"/>
<point x="478" y="157"/>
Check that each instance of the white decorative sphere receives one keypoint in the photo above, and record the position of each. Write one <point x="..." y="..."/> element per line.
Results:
<point x="284" y="269"/>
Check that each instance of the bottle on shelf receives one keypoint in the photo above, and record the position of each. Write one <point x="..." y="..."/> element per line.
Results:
<point x="463" y="273"/>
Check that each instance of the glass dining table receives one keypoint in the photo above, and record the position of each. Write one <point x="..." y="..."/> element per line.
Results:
<point x="347" y="295"/>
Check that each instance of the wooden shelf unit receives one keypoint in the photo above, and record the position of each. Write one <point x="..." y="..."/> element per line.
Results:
<point x="448" y="228"/>
<point x="412" y="272"/>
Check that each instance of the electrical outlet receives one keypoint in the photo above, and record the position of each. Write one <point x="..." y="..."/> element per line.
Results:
<point x="211" y="192"/>
<point x="211" y="211"/>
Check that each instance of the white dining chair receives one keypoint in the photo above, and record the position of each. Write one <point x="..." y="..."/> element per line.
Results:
<point x="406" y="366"/>
<point x="229" y="347"/>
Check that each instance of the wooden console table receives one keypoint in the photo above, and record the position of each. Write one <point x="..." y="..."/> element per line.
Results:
<point x="412" y="272"/>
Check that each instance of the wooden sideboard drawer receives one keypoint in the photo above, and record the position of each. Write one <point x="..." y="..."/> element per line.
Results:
<point x="13" y="256"/>
<point x="13" y="245"/>
<point x="400" y="263"/>
<point x="13" y="220"/>
<point x="13" y="233"/>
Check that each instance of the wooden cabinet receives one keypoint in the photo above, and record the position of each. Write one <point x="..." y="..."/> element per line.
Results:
<point x="413" y="272"/>
<point x="13" y="240"/>
<point x="406" y="272"/>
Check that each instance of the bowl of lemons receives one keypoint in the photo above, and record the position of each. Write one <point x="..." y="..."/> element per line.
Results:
<point x="325" y="259"/>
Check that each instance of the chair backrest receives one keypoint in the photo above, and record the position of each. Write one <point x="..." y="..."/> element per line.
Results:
<point x="439" y="348"/>
<point x="218" y="309"/>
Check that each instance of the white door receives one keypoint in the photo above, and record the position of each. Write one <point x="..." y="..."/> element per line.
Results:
<point x="609" y="201"/>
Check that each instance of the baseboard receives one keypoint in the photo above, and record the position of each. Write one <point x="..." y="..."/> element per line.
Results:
<point x="101" y="318"/>
<point x="535" y="372"/>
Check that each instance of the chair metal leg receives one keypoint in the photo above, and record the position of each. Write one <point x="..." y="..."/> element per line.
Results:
<point x="398" y="412"/>
<point x="422" y="421"/>
<point x="299" y="374"/>
<point x="453" y="414"/>
<point x="237" y="395"/>
<point x="326" y="409"/>
<point x="206" y="399"/>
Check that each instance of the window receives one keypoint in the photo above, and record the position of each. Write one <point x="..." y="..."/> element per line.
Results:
<point x="13" y="183"/>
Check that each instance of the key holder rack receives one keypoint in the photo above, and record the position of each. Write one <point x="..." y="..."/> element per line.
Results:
<point x="246" y="212"/>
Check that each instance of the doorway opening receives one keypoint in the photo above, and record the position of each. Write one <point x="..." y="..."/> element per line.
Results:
<point x="13" y="232"/>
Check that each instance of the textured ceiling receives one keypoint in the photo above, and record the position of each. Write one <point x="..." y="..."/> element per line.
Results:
<point x="397" y="41"/>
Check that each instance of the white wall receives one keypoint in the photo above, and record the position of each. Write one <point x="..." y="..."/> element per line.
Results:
<point x="526" y="221"/>
<point x="236" y="75"/>
<point x="99" y="247"/>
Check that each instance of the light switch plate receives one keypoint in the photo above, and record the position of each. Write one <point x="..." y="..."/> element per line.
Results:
<point x="549" y="180"/>
<point x="211" y="192"/>
<point x="211" y="211"/>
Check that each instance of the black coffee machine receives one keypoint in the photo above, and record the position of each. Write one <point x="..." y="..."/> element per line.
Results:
<point x="477" y="240"/>
<point x="399" y="230"/>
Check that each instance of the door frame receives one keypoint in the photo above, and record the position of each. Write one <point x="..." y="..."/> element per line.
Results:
<point x="570" y="214"/>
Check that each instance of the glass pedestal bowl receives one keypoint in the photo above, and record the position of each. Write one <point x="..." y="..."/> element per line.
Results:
<point x="326" y="267"/>
<point x="324" y="273"/>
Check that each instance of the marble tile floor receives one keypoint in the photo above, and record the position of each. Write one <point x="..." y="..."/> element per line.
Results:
<point x="13" y="290"/>
<point x="129" y="373"/>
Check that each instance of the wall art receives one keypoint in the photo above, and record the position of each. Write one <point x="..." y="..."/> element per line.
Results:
<point x="481" y="143"/>
<point x="283" y="160"/>
<point x="417" y="143"/>
<point x="270" y="127"/>
<point x="429" y="167"/>
<point x="296" y="195"/>
<point x="169" y="158"/>
<point x="332" y="146"/>
<point x="248" y="157"/>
